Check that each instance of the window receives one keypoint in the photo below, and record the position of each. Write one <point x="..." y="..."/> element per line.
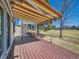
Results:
<point x="1" y="31"/>
<point x="13" y="27"/>
<point x="8" y="31"/>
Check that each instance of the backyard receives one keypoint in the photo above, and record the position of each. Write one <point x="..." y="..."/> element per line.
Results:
<point x="70" y="39"/>
<point x="71" y="35"/>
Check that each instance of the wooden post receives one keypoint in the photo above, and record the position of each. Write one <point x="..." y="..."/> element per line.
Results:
<point x="37" y="30"/>
<point x="22" y="32"/>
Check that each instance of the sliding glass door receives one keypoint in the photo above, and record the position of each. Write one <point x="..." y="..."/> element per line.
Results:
<point x="1" y="30"/>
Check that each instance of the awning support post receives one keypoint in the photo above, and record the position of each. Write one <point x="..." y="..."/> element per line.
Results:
<point x="37" y="30"/>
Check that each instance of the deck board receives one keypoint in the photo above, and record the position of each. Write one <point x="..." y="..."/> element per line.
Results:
<point x="40" y="49"/>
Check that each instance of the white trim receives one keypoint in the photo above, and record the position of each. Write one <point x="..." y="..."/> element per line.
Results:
<point x="1" y="4"/>
<point x="30" y="1"/>
<point x="10" y="7"/>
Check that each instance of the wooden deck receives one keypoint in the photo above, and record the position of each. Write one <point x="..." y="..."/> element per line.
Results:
<point x="32" y="48"/>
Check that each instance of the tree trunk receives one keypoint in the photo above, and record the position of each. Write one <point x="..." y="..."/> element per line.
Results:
<point x="62" y="18"/>
<point x="61" y="28"/>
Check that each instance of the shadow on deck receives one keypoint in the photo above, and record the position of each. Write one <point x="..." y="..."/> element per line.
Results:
<point x="19" y="41"/>
<point x="25" y="39"/>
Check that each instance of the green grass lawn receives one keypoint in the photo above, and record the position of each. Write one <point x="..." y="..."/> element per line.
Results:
<point x="73" y="35"/>
<point x="70" y="33"/>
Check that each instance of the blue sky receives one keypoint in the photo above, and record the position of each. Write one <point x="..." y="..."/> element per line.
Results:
<point x="74" y="14"/>
<point x="17" y="21"/>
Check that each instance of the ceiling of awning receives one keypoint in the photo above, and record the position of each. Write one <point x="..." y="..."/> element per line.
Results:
<point x="45" y="7"/>
<point x="22" y="9"/>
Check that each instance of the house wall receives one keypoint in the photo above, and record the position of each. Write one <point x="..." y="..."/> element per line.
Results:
<point x="6" y="50"/>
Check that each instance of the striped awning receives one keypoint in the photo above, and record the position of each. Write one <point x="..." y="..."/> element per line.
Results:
<point x="22" y="9"/>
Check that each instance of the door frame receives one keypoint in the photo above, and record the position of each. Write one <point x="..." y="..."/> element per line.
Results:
<point x="2" y="30"/>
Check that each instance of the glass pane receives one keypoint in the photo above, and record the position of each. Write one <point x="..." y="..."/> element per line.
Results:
<point x="1" y="30"/>
<point x="0" y="22"/>
<point x="8" y="26"/>
<point x="0" y="34"/>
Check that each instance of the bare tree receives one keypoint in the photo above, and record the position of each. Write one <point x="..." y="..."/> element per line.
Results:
<point x="67" y="7"/>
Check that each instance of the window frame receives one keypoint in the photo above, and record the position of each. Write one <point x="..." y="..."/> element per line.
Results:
<point x="2" y="30"/>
